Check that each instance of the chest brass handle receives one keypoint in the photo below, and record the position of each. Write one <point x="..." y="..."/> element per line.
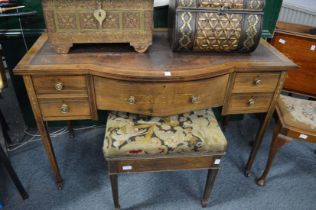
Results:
<point x="131" y="100"/>
<point x="251" y="102"/>
<point x="64" y="109"/>
<point x="258" y="82"/>
<point x="59" y="86"/>
<point x="195" y="99"/>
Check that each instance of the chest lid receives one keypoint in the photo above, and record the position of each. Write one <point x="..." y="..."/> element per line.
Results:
<point x="222" y="4"/>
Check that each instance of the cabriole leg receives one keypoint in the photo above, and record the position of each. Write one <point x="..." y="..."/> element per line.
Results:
<point x="278" y="141"/>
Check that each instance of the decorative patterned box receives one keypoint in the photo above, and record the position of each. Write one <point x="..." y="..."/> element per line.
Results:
<point x="99" y="21"/>
<point x="215" y="25"/>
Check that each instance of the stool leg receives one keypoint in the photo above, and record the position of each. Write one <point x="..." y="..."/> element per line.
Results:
<point x="12" y="174"/>
<point x="115" y="192"/>
<point x="211" y="175"/>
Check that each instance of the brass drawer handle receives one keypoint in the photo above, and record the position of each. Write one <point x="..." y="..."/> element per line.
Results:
<point x="64" y="109"/>
<point x="59" y="86"/>
<point x="258" y="82"/>
<point x="195" y="99"/>
<point x="251" y="102"/>
<point x="131" y="100"/>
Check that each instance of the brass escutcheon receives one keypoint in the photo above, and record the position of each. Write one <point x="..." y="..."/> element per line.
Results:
<point x="99" y="14"/>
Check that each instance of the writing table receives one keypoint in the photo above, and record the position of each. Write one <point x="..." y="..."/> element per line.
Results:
<point x="158" y="83"/>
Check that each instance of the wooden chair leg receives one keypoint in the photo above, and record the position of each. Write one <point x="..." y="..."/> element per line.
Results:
<point x="211" y="175"/>
<point x="115" y="192"/>
<point x="11" y="172"/>
<point x="278" y="141"/>
<point x="70" y="129"/>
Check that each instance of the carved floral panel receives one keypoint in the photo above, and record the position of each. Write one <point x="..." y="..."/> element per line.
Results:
<point x="131" y="20"/>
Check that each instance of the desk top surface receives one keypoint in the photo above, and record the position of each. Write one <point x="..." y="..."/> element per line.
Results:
<point x="121" y="62"/>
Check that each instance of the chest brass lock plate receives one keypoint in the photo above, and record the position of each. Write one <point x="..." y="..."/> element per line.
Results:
<point x="99" y="14"/>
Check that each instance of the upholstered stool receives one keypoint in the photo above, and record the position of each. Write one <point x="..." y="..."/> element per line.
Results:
<point x="135" y="143"/>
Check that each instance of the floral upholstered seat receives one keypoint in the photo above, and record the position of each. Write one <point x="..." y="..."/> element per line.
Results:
<point x="298" y="113"/>
<point x="131" y="134"/>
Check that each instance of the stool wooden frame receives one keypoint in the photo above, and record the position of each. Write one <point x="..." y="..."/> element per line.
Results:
<point x="165" y="163"/>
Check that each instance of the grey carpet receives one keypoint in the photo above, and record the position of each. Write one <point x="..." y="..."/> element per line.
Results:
<point x="291" y="184"/>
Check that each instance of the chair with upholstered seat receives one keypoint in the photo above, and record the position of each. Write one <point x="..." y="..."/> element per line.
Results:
<point x="296" y="119"/>
<point x="135" y="143"/>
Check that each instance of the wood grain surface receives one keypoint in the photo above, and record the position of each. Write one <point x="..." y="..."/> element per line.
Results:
<point x="125" y="64"/>
<point x="160" y="98"/>
<point x="298" y="44"/>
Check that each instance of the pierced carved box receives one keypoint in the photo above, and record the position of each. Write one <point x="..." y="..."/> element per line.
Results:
<point x="99" y="21"/>
<point x="215" y="25"/>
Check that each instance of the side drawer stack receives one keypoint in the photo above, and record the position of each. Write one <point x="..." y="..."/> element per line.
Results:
<point x="64" y="97"/>
<point x="251" y="92"/>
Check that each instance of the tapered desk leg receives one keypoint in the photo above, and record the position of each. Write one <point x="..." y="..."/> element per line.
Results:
<point x="257" y="142"/>
<point x="264" y="125"/>
<point x="70" y="129"/>
<point x="50" y="152"/>
<point x="43" y="130"/>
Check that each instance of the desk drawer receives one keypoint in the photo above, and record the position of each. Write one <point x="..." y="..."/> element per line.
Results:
<point x="255" y="82"/>
<point x="59" y="109"/>
<point x="159" y="98"/>
<point x="249" y="103"/>
<point x="60" y="84"/>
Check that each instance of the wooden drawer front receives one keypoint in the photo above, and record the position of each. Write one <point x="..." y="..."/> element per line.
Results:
<point x="255" y="82"/>
<point x="159" y="98"/>
<point x="249" y="103"/>
<point x="163" y="164"/>
<point x="58" y="109"/>
<point x="60" y="84"/>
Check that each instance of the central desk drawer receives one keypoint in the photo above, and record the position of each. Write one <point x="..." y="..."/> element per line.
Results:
<point x="159" y="98"/>
<point x="62" y="109"/>
<point x="60" y="84"/>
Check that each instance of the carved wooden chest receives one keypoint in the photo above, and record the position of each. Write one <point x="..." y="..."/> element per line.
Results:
<point x="99" y="21"/>
<point x="215" y="25"/>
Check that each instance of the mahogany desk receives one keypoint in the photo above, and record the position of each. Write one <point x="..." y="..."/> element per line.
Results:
<point x="74" y="86"/>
